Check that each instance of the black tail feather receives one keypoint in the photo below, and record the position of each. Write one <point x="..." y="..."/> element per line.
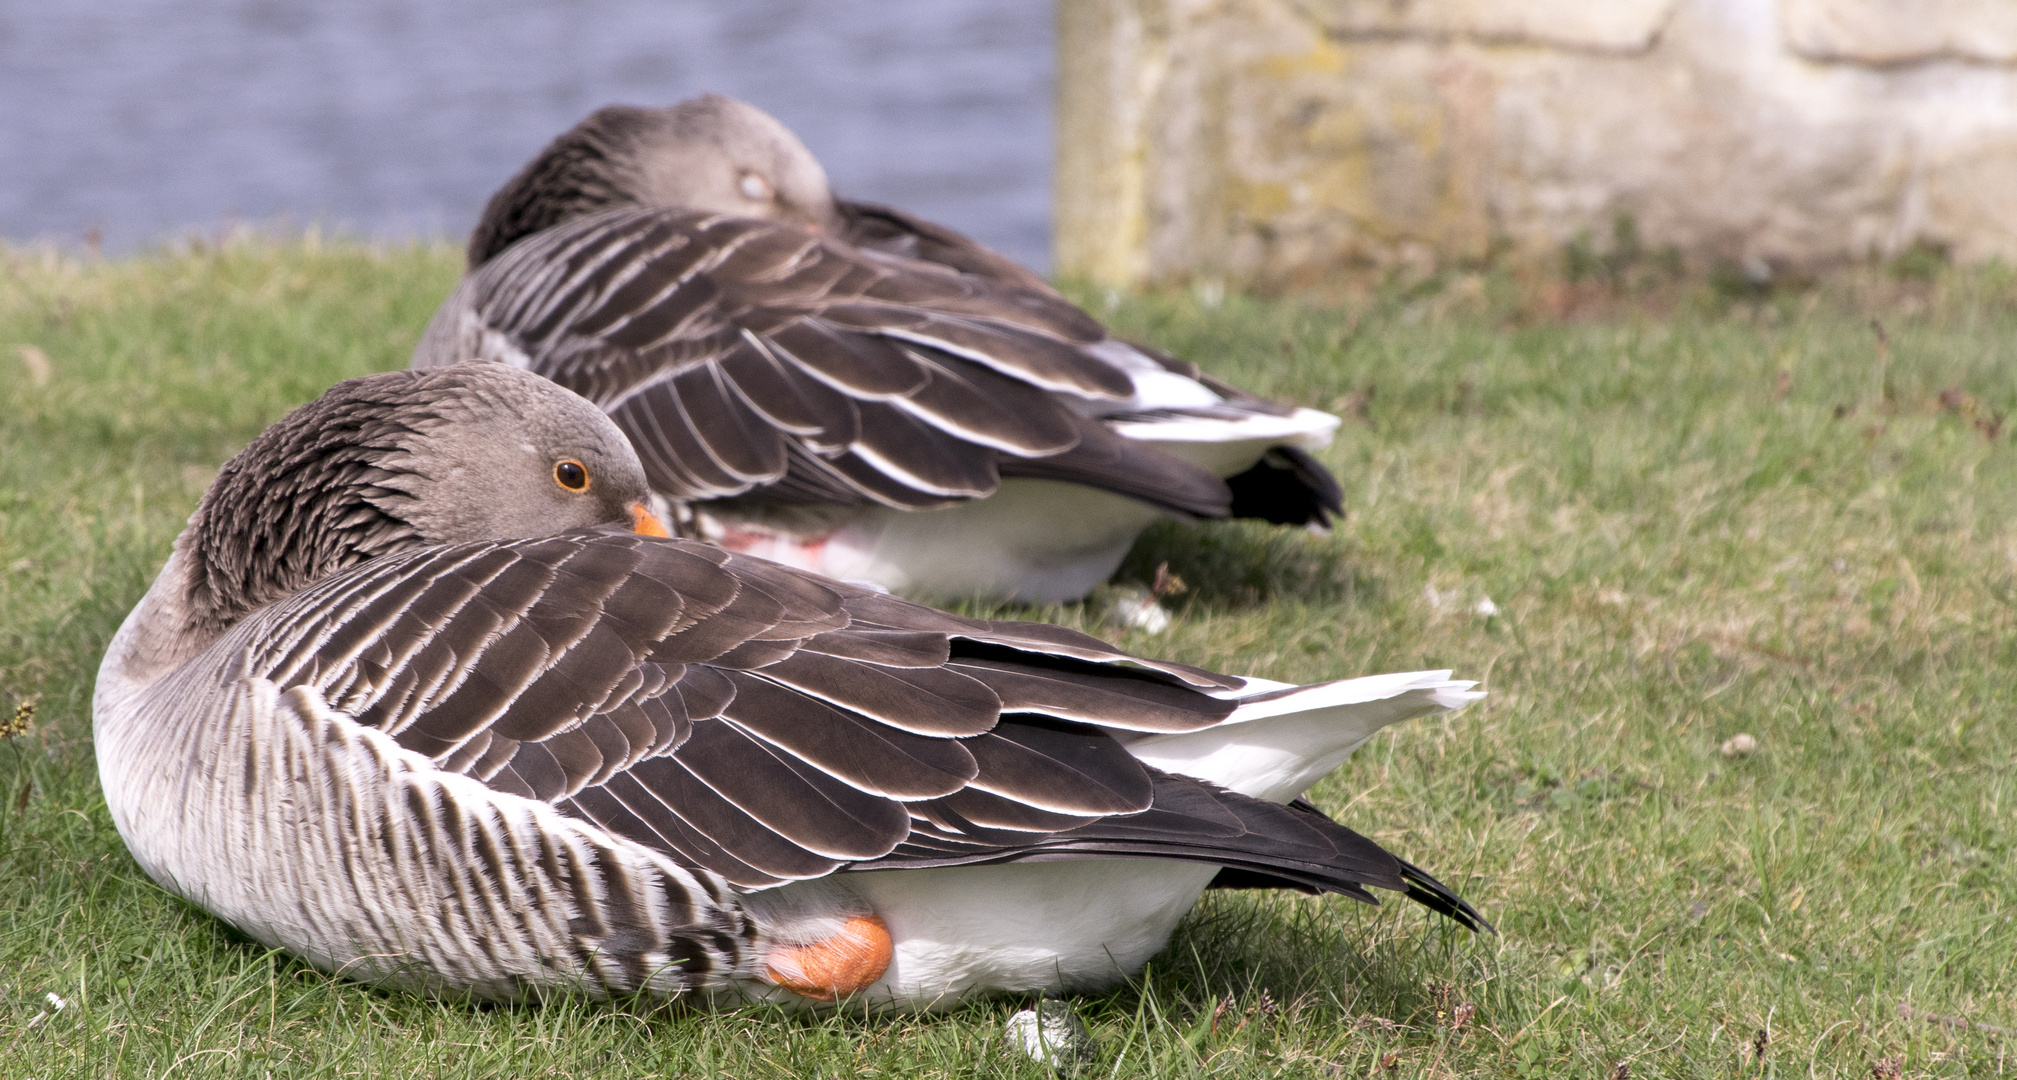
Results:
<point x="1287" y="487"/>
<point x="1437" y="897"/>
<point x="1422" y="888"/>
<point x="1259" y="844"/>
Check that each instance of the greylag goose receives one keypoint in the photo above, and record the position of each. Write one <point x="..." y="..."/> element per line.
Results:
<point x="846" y="388"/>
<point x="424" y="696"/>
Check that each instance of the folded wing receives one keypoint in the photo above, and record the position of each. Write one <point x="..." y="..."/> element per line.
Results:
<point x="755" y="360"/>
<point x="769" y="725"/>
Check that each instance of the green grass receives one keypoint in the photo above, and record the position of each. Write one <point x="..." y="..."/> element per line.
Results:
<point x="1696" y="517"/>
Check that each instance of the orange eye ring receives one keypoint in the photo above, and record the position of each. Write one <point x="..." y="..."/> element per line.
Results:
<point x="571" y="474"/>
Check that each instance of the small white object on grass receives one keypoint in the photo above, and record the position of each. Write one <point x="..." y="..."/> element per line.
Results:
<point x="1740" y="745"/>
<point x="1132" y="607"/>
<point x="1052" y="1034"/>
<point x="56" y="1005"/>
<point x="37" y="363"/>
<point x="1442" y="603"/>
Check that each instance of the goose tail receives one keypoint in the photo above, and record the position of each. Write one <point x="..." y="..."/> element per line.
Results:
<point x="1411" y="880"/>
<point x="1282" y="738"/>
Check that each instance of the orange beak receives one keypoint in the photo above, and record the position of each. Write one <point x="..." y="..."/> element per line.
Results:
<point x="646" y="523"/>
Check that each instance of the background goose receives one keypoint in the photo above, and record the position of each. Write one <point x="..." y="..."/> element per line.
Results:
<point x="846" y="388"/>
<point x="414" y="699"/>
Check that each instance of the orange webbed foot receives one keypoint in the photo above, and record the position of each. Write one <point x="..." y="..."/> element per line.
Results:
<point x="846" y="962"/>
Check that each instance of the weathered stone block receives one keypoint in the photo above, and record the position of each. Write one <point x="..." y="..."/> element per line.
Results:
<point x="1280" y="140"/>
<point x="1901" y="31"/>
<point x="1618" y="25"/>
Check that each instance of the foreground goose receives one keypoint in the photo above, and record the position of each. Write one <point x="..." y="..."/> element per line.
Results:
<point x="424" y="696"/>
<point x="843" y="387"/>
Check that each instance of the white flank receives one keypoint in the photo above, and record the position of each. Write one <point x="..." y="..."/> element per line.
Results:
<point x="1075" y="926"/>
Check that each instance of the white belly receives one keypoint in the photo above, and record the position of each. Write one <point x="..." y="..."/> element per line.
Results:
<point x="1075" y="926"/>
<point x="1037" y="541"/>
<point x="1034" y="541"/>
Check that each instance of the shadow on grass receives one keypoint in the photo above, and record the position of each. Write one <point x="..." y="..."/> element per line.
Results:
<point x="1247" y="971"/>
<point x="1235" y="565"/>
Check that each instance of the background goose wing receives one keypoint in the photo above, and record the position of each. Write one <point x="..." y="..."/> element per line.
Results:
<point x="758" y="360"/>
<point x="887" y="229"/>
<point x="770" y="725"/>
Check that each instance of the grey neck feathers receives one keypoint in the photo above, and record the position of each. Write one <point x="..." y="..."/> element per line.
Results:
<point x="589" y="168"/>
<point x="306" y="499"/>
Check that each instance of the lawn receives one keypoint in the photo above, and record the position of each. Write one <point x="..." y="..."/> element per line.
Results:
<point x="1789" y="516"/>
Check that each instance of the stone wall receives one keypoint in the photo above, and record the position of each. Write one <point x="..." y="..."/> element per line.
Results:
<point x="1282" y="140"/>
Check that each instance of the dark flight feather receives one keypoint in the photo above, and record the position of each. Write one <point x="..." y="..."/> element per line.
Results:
<point x="1059" y="767"/>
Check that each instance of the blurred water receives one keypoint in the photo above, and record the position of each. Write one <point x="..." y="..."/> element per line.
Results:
<point x="145" y="118"/>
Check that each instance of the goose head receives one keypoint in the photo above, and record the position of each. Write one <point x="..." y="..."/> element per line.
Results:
<point x="405" y="459"/>
<point x="707" y="153"/>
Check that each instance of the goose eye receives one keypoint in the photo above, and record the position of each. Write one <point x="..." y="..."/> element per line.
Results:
<point x="571" y="474"/>
<point x="754" y="188"/>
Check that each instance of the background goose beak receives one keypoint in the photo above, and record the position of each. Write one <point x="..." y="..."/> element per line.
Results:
<point x="646" y="523"/>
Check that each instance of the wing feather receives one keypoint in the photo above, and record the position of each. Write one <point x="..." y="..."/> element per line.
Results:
<point x="578" y="755"/>
<point x="874" y="757"/>
<point x="1103" y="460"/>
<point x="889" y="648"/>
<point x="854" y="474"/>
<point x="795" y="404"/>
<point x="1058" y="767"/>
<point x="863" y="366"/>
<point x="642" y="289"/>
<point x="704" y="693"/>
<point x="794" y="803"/>
<point x="1110" y="697"/>
<point x="648" y="794"/>
<point x="674" y="459"/>
<point x="733" y="435"/>
<point x="926" y="701"/>
<point x="982" y="406"/>
<point x="538" y="769"/>
<point x="907" y="448"/>
<point x="991" y="813"/>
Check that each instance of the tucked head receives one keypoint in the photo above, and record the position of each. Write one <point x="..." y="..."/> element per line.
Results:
<point x="706" y="153"/>
<point x="472" y="451"/>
